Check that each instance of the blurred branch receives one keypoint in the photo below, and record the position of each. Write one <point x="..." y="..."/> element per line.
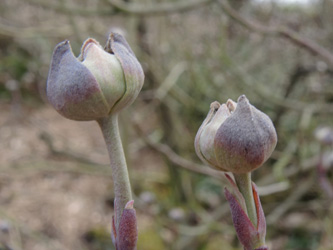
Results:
<point x="284" y="102"/>
<point x="273" y="188"/>
<point x="293" y="170"/>
<point x="158" y="9"/>
<point x="170" y="81"/>
<point x="298" y="73"/>
<point x="324" y="181"/>
<point x="32" y="32"/>
<point x="180" y="161"/>
<point x="20" y="228"/>
<point x="292" y="36"/>
<point x="72" y="21"/>
<point x="127" y="8"/>
<point x="73" y="10"/>
<point x="202" y="169"/>
<point x="48" y="140"/>
<point x="298" y="191"/>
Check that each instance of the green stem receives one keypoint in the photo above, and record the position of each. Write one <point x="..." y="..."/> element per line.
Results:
<point x="121" y="183"/>
<point x="244" y="185"/>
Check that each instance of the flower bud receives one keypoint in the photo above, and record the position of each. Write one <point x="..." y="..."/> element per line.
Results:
<point x="97" y="83"/>
<point x="235" y="137"/>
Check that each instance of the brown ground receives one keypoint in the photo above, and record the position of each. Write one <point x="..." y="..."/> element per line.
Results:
<point x="51" y="196"/>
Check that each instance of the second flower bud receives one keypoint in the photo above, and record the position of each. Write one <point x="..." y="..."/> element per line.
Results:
<point x="235" y="137"/>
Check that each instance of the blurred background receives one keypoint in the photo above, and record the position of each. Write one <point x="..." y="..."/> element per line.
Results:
<point x="56" y="189"/>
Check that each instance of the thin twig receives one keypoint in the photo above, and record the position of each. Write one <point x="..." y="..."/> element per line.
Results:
<point x="299" y="73"/>
<point x="284" y="32"/>
<point x="180" y="161"/>
<point x="126" y="8"/>
<point x="32" y="32"/>
<point x="292" y="170"/>
<point x="299" y="191"/>
<point x="202" y="169"/>
<point x="287" y="103"/>
<point x="48" y="140"/>
<point x="73" y="10"/>
<point x="158" y="9"/>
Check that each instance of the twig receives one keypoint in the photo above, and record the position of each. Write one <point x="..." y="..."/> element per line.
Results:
<point x="158" y="9"/>
<point x="323" y="180"/>
<point x="73" y="22"/>
<point x="284" y="32"/>
<point x="292" y="170"/>
<point x="182" y="162"/>
<point x="287" y="103"/>
<point x="273" y="188"/>
<point x="126" y="8"/>
<point x="73" y="10"/>
<point x="299" y="191"/>
<point x="32" y="32"/>
<point x="202" y="169"/>
<point x="46" y="137"/>
<point x="298" y="73"/>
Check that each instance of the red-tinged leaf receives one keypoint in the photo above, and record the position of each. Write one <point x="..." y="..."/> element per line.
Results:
<point x="113" y="232"/>
<point x="246" y="232"/>
<point x="261" y="221"/>
<point x="127" y="234"/>
<point x="235" y="191"/>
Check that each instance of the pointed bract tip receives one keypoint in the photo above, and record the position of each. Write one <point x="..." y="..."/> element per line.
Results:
<point x="229" y="178"/>
<point x="129" y="205"/>
<point x="61" y="48"/>
<point x="242" y="98"/>
<point x="231" y="105"/>
<point x="215" y="105"/>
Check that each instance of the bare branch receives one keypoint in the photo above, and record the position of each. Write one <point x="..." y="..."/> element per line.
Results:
<point x="202" y="169"/>
<point x="292" y="36"/>
<point x="32" y="32"/>
<point x="126" y="8"/>
<point x="73" y="10"/>
<point x="158" y="9"/>
<point x="182" y="162"/>
<point x="291" y="201"/>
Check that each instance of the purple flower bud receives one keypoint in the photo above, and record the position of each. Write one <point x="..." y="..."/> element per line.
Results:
<point x="235" y="137"/>
<point x="97" y="83"/>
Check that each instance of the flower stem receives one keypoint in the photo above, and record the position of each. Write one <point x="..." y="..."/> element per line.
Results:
<point x="121" y="183"/>
<point x="244" y="185"/>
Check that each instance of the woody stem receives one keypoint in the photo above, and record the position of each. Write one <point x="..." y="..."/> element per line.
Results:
<point x="244" y="185"/>
<point x="121" y="182"/>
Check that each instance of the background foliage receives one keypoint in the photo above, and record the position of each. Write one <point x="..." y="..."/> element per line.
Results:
<point x="55" y="183"/>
